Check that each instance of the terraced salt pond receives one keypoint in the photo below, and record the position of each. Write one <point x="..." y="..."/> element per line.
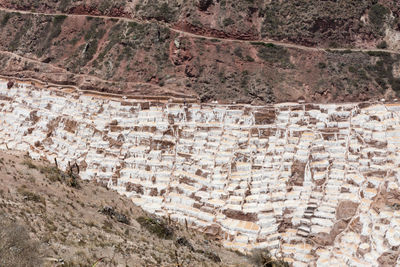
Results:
<point x="317" y="184"/>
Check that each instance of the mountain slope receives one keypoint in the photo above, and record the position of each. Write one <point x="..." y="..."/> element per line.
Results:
<point x="77" y="226"/>
<point x="157" y="48"/>
<point x="324" y="23"/>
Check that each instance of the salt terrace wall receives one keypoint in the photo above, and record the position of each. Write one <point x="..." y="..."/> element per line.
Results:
<point x="318" y="184"/>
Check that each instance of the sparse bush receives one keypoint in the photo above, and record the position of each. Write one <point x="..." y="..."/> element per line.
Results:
<point x="382" y="45"/>
<point x="182" y="241"/>
<point x="352" y="69"/>
<point x="54" y="32"/>
<point x="165" y="13"/>
<point x="54" y="174"/>
<point x="395" y="83"/>
<point x="381" y="82"/>
<point x="211" y="255"/>
<point x="58" y="19"/>
<point x="94" y="34"/>
<point x="30" y="196"/>
<point x="273" y="53"/>
<point x="333" y="44"/>
<point x="112" y="213"/>
<point x="377" y="16"/>
<point x="263" y="258"/>
<point x="204" y="4"/>
<point x="249" y="58"/>
<point x="155" y="10"/>
<point x="321" y="65"/>
<point x="156" y="226"/>
<point x="64" y="4"/>
<point x="5" y="19"/>
<point x="16" y="247"/>
<point x="91" y="49"/>
<point x="244" y="79"/>
<point x="378" y="54"/>
<point x="29" y="164"/>
<point x="105" y="5"/>
<point x="227" y="22"/>
<point x="271" y="21"/>
<point x="238" y="52"/>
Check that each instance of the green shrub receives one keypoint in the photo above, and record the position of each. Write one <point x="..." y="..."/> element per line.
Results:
<point x="244" y="79"/>
<point x="395" y="83"/>
<point x="22" y="31"/>
<point x="378" y="54"/>
<point x="274" y="54"/>
<point x="95" y="31"/>
<point x="377" y="16"/>
<point x="59" y="19"/>
<point x="249" y="58"/>
<point x="238" y="52"/>
<point x="382" y="45"/>
<point x="271" y="21"/>
<point x="64" y="4"/>
<point x="105" y="5"/>
<point x="333" y="44"/>
<point x="381" y="82"/>
<point x="165" y="13"/>
<point x="54" y="32"/>
<point x="204" y="4"/>
<point x="5" y="19"/>
<point x="228" y="21"/>
<point x="91" y="49"/>
<point x="352" y="69"/>
<point x="321" y="65"/>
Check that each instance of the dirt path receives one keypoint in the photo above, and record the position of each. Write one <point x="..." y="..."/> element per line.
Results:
<point x="288" y="45"/>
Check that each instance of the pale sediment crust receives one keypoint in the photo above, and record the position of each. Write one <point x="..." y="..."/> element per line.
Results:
<point x="316" y="184"/>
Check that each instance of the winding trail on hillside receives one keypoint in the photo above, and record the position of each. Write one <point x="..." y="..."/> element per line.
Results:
<point x="279" y="43"/>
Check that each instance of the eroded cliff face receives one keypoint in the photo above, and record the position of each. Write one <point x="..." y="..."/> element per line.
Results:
<point x="315" y="183"/>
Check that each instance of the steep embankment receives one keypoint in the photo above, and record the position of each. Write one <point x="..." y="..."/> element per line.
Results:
<point x="148" y="58"/>
<point x="45" y="222"/>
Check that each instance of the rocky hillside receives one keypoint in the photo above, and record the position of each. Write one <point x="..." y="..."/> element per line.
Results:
<point x="327" y="23"/>
<point x="52" y="221"/>
<point x="237" y="51"/>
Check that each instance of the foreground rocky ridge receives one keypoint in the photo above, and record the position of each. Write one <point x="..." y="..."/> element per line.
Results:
<point x="317" y="184"/>
<point x="149" y="57"/>
<point x="45" y="222"/>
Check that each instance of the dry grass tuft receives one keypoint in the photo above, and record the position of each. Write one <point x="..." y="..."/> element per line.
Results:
<point x="16" y="247"/>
